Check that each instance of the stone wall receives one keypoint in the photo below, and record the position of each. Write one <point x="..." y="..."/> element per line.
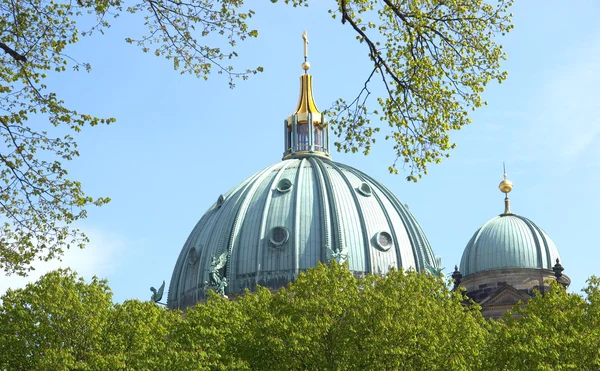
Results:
<point x="481" y="285"/>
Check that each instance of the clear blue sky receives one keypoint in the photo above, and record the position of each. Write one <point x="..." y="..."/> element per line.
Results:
<point x="180" y="142"/>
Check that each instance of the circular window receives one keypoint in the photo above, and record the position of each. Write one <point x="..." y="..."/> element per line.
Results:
<point x="220" y="201"/>
<point x="279" y="236"/>
<point x="384" y="241"/>
<point x="284" y="185"/>
<point x="364" y="189"/>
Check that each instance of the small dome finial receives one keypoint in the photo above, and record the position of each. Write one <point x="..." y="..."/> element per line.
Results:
<point x="305" y="65"/>
<point x="505" y="187"/>
<point x="457" y="277"/>
<point x="558" y="269"/>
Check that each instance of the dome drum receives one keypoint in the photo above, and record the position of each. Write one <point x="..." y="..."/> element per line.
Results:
<point x="527" y="280"/>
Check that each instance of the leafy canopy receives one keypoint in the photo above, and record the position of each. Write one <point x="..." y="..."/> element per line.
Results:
<point x="434" y="59"/>
<point x="327" y="319"/>
<point x="38" y="202"/>
<point x="556" y="331"/>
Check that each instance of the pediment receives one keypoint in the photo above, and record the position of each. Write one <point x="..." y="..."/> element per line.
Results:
<point x="505" y="295"/>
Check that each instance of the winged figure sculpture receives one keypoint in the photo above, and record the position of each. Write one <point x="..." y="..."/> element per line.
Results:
<point x="436" y="269"/>
<point x="216" y="267"/>
<point x="157" y="294"/>
<point x="340" y="256"/>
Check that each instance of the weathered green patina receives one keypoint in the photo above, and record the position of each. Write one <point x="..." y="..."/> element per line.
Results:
<point x="293" y="214"/>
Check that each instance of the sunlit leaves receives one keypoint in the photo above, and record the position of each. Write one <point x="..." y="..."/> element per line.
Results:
<point x="434" y="60"/>
<point x="63" y="323"/>
<point x="326" y="319"/>
<point x="198" y="36"/>
<point x="56" y="323"/>
<point x="329" y="319"/>
<point x="556" y="331"/>
<point x="38" y="201"/>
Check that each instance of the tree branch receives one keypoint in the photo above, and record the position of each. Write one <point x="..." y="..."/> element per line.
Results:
<point x="16" y="56"/>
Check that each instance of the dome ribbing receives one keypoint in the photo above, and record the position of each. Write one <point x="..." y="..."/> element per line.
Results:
<point x="508" y="241"/>
<point x="292" y="215"/>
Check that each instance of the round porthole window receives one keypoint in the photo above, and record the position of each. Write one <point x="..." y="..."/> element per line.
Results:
<point x="220" y="201"/>
<point x="279" y="236"/>
<point x="364" y="189"/>
<point x="383" y="241"/>
<point x="284" y="185"/>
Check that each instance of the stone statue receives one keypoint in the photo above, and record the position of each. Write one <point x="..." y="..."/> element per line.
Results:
<point x="216" y="265"/>
<point x="222" y="285"/>
<point x="436" y="269"/>
<point x="157" y="294"/>
<point x="340" y="256"/>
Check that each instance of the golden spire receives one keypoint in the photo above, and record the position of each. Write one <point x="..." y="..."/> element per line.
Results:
<point x="505" y="187"/>
<point x="306" y="102"/>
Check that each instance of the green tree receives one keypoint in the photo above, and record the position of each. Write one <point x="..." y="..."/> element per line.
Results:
<point x="63" y="323"/>
<point x="330" y="320"/>
<point x="554" y="331"/>
<point x="38" y="202"/>
<point x="55" y="323"/>
<point x="136" y="337"/>
<point x="434" y="60"/>
<point x="208" y="335"/>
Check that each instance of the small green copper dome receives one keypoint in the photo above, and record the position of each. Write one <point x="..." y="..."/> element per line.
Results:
<point x="508" y="241"/>
<point x="290" y="216"/>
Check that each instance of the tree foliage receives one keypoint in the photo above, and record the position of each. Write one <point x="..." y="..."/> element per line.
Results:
<point x="556" y="331"/>
<point x="434" y="59"/>
<point x="55" y="323"/>
<point x="327" y="319"/>
<point x="38" y="202"/>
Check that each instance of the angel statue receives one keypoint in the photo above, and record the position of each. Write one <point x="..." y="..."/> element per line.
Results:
<point x="157" y="294"/>
<point x="340" y="256"/>
<point x="216" y="265"/>
<point x="436" y="269"/>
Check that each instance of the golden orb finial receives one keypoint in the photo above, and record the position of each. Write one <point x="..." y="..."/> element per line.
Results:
<point x="505" y="187"/>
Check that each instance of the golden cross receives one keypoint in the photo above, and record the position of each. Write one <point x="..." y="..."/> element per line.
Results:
<point x="305" y="38"/>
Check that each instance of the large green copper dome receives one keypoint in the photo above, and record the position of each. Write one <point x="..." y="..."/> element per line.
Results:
<point x="298" y="212"/>
<point x="508" y="241"/>
<point x="290" y="216"/>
